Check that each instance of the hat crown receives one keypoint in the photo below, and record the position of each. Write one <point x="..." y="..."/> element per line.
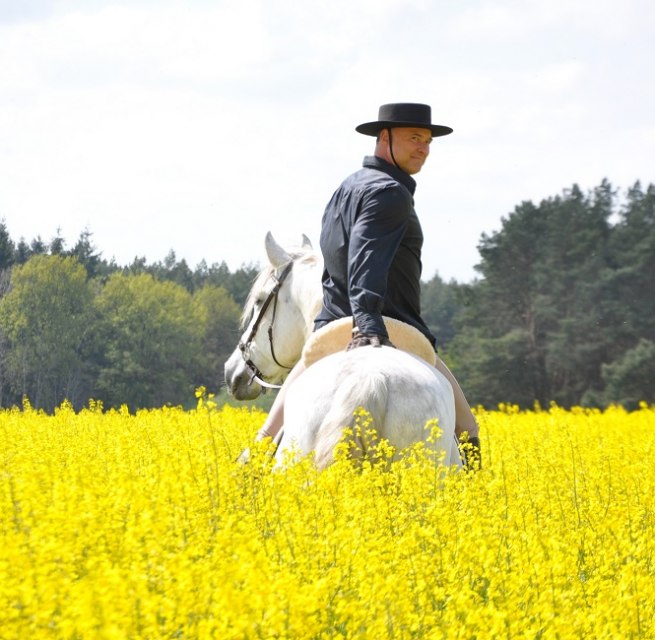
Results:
<point x="405" y="112"/>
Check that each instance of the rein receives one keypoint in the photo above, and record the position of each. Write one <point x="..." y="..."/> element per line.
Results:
<point x="244" y="347"/>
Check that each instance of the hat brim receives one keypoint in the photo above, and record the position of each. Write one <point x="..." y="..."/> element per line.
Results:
<point x="374" y="128"/>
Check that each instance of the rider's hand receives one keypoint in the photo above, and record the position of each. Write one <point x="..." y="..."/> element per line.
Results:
<point x="364" y="340"/>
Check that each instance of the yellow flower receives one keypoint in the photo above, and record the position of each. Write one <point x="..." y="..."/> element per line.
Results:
<point x="144" y="526"/>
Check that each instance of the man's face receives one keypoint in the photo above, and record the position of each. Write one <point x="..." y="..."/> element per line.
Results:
<point x="410" y="145"/>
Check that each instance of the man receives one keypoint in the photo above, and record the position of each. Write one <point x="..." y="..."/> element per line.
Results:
<point x="371" y="241"/>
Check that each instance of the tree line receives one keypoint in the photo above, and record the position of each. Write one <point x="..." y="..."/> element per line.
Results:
<point x="563" y="311"/>
<point x="76" y="327"/>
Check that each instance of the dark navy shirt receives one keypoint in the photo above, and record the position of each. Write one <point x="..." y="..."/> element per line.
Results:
<point x="371" y="241"/>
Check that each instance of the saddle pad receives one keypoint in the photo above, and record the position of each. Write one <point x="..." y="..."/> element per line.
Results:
<point x="336" y="335"/>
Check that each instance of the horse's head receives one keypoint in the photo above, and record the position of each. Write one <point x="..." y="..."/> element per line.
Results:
<point x="277" y="319"/>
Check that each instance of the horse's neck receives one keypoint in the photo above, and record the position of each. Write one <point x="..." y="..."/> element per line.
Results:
<point x="311" y="297"/>
<point x="313" y="307"/>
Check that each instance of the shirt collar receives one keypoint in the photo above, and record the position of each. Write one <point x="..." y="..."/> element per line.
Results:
<point x="374" y="162"/>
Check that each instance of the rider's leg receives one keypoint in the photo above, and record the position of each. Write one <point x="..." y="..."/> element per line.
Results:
<point x="464" y="419"/>
<point x="272" y="427"/>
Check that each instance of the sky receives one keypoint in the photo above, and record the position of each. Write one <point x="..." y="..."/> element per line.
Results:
<point x="197" y="126"/>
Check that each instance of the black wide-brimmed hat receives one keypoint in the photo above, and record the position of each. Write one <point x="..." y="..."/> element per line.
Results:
<point x="403" y="114"/>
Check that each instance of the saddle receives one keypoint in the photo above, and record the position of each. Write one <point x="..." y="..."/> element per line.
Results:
<point x="336" y="335"/>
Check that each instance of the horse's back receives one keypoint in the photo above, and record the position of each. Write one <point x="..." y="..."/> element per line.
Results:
<point x="400" y="392"/>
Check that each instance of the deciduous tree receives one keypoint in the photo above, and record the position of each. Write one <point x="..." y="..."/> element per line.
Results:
<point x="150" y="339"/>
<point x="44" y="319"/>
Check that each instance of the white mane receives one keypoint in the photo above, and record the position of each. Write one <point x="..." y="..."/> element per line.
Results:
<point x="301" y="255"/>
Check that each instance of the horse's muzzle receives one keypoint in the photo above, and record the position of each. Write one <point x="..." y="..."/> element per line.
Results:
<point x="239" y="378"/>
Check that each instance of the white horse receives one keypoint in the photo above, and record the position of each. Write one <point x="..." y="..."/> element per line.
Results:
<point x="400" y="392"/>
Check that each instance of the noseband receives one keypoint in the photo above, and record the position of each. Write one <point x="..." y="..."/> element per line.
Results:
<point x="257" y="376"/>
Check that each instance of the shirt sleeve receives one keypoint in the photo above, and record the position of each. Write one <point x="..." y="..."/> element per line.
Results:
<point x="375" y="237"/>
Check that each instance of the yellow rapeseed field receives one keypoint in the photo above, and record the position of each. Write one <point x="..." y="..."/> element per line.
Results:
<point x="144" y="526"/>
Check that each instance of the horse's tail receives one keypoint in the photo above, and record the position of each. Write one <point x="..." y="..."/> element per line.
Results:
<point x="367" y="390"/>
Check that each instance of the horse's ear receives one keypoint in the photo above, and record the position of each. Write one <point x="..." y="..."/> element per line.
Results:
<point x="306" y="242"/>
<point x="277" y="256"/>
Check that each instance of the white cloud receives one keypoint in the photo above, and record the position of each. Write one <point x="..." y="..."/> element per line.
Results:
<point x="489" y="19"/>
<point x="161" y="125"/>
<point x="526" y="19"/>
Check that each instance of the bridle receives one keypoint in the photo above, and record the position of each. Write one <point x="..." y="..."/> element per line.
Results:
<point x="257" y="376"/>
